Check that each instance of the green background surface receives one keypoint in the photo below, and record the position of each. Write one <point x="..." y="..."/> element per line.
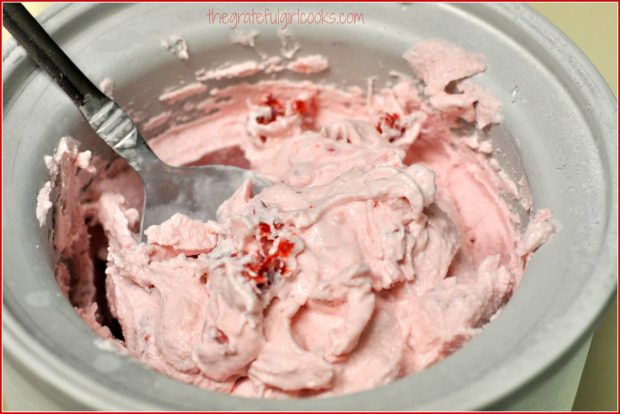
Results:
<point x="594" y="28"/>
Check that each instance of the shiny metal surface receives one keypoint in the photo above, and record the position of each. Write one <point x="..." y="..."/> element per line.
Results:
<point x="196" y="192"/>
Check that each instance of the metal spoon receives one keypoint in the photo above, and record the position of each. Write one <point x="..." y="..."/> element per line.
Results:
<point x="194" y="191"/>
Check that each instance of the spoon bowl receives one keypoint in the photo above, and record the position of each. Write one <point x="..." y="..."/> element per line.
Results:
<point x="196" y="192"/>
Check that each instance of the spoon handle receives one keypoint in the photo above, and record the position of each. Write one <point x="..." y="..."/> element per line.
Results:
<point x="46" y="53"/>
<point x="111" y="123"/>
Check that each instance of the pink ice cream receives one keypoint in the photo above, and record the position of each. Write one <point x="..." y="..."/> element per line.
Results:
<point x="384" y="244"/>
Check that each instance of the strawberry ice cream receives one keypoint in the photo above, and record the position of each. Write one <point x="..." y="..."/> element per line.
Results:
<point x="384" y="244"/>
